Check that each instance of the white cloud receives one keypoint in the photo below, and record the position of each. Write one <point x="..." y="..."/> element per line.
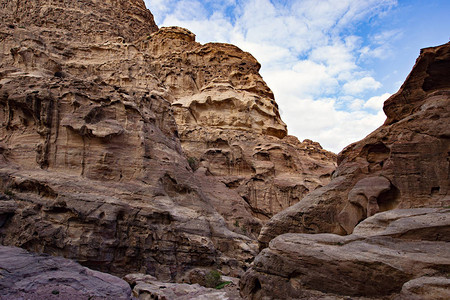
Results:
<point x="376" y="102"/>
<point x="361" y="85"/>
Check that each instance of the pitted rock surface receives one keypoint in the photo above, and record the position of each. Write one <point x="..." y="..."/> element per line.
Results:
<point x="402" y="164"/>
<point x="95" y="150"/>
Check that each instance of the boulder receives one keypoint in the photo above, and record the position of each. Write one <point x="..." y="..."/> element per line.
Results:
<point x="391" y="254"/>
<point x="26" y="275"/>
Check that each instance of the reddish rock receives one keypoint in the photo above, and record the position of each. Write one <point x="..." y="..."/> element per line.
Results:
<point x="402" y="164"/>
<point x="394" y="187"/>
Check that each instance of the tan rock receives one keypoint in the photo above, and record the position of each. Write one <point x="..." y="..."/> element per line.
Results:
<point x="146" y="287"/>
<point x="393" y="186"/>
<point x="229" y="123"/>
<point x="426" y="288"/>
<point x="92" y="166"/>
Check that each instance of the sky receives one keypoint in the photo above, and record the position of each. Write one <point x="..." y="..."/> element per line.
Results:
<point x="330" y="63"/>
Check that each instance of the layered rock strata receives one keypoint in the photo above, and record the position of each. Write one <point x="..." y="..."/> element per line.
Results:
<point x="402" y="164"/>
<point x="390" y="193"/>
<point x="92" y="168"/>
<point x="399" y="254"/>
<point x="229" y="123"/>
<point x="93" y="101"/>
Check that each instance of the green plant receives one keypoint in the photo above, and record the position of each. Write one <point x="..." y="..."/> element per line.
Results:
<point x="236" y="223"/>
<point x="193" y="163"/>
<point x="213" y="279"/>
<point x="222" y="285"/>
<point x="9" y="193"/>
<point x="55" y="292"/>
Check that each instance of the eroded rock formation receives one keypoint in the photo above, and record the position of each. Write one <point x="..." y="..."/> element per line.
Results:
<point x="26" y="275"/>
<point x="94" y="99"/>
<point x="229" y="124"/>
<point x="402" y="164"/>
<point x="386" y="254"/>
<point x="390" y="193"/>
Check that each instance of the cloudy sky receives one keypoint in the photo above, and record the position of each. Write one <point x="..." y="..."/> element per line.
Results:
<point x="330" y="63"/>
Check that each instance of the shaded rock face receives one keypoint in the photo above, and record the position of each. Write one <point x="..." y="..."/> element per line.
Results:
<point x="29" y="276"/>
<point x="402" y="164"/>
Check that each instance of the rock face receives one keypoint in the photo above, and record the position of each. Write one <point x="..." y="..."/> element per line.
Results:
<point x="390" y="193"/>
<point x="402" y="164"/>
<point x="29" y="276"/>
<point x="94" y="99"/>
<point x="229" y="124"/>
<point x="385" y="256"/>
<point x="92" y="168"/>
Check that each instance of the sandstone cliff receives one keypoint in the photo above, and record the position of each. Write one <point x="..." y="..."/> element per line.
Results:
<point x="94" y="100"/>
<point x="390" y="192"/>
<point x="229" y="124"/>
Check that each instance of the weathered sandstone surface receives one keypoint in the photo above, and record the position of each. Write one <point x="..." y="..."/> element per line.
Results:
<point x="384" y="257"/>
<point x="390" y="194"/>
<point x="402" y="164"/>
<point x="30" y="276"/>
<point x="94" y="100"/>
<point x="146" y="287"/>
<point x="229" y="124"/>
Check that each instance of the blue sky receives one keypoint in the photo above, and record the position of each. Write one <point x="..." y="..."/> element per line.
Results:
<point x="330" y="63"/>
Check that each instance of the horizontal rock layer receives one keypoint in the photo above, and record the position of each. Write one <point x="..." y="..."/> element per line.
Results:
<point x="385" y="256"/>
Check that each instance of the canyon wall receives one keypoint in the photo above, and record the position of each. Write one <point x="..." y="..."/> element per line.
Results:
<point x="133" y="148"/>
<point x="381" y="227"/>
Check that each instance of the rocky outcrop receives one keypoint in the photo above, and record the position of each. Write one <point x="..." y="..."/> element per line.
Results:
<point x="92" y="167"/>
<point x="83" y="20"/>
<point x="402" y="164"/>
<point x="390" y="194"/>
<point x="229" y="124"/>
<point x="398" y="254"/>
<point x="94" y="99"/>
<point x="29" y="276"/>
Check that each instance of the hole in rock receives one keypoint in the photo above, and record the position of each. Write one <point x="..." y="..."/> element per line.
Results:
<point x="388" y="200"/>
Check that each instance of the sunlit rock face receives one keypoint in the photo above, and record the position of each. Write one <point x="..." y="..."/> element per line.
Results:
<point x="229" y="124"/>
<point x="104" y="119"/>
<point x="388" y="200"/>
<point x="91" y="164"/>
